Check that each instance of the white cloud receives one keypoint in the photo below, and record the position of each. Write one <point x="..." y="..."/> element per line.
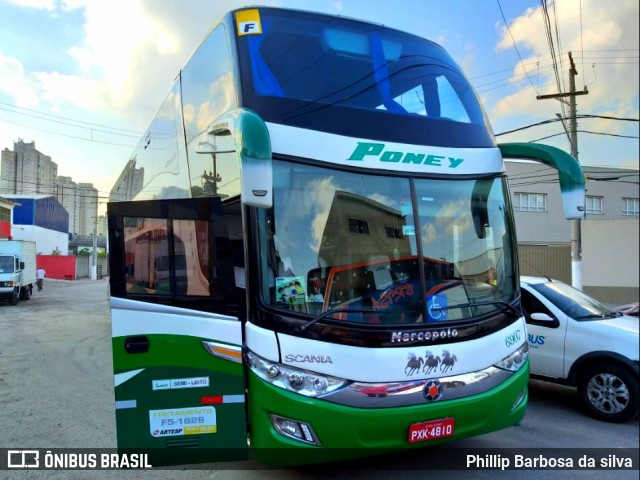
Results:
<point x="49" y="5"/>
<point x="15" y="81"/>
<point x="606" y="31"/>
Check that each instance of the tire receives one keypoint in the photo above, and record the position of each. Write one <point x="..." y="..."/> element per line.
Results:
<point x="15" y="298"/>
<point x="25" y="293"/>
<point x="609" y="392"/>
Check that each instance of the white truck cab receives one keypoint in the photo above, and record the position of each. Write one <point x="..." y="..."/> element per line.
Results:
<point x="17" y="270"/>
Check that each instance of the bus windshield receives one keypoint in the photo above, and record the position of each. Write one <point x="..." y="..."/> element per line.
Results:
<point x="348" y="241"/>
<point x="358" y="79"/>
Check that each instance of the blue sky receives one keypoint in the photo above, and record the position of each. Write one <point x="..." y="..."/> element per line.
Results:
<point x="83" y="78"/>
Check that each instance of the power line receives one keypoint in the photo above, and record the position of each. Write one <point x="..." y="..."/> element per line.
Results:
<point x="513" y="41"/>
<point x="558" y="40"/>
<point x="614" y="50"/>
<point x="547" y="25"/>
<point x="552" y="120"/>
<point x="65" y="135"/>
<point x="584" y="131"/>
<point x="581" y="42"/>
<point x="133" y="132"/>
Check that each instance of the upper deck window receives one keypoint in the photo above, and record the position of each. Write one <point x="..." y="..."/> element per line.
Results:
<point x="358" y="79"/>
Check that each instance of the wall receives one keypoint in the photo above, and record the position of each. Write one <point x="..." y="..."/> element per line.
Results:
<point x="5" y="230"/>
<point x="62" y="267"/>
<point x="47" y="241"/>
<point x="552" y="261"/>
<point x="538" y="227"/>
<point x="83" y="266"/>
<point x="610" y="260"/>
<point x="69" y="267"/>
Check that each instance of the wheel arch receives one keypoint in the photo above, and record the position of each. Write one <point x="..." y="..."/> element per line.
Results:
<point x="599" y="357"/>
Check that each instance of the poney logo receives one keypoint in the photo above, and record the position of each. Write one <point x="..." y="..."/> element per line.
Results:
<point x="368" y="149"/>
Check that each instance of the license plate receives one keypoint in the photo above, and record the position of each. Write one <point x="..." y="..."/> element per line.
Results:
<point x="423" y="431"/>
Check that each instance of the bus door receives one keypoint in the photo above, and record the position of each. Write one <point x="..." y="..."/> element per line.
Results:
<point x="176" y="335"/>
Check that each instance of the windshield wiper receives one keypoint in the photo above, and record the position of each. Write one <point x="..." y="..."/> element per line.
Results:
<point x="328" y="313"/>
<point x="507" y="305"/>
<point x="597" y="315"/>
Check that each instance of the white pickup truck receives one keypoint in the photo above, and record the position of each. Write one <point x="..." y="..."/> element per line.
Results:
<point x="17" y="270"/>
<point x="575" y="340"/>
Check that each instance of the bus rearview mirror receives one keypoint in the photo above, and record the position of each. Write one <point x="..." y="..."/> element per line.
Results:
<point x="253" y="149"/>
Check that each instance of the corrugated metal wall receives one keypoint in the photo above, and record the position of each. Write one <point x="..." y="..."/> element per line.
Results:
<point x="44" y="212"/>
<point x="25" y="212"/>
<point x="52" y="215"/>
<point x="553" y="261"/>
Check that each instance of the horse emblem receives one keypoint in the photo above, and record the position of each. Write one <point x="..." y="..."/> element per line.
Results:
<point x="413" y="364"/>
<point x="431" y="362"/>
<point x="448" y="361"/>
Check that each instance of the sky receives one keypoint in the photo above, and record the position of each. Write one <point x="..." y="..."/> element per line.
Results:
<point x="84" y="78"/>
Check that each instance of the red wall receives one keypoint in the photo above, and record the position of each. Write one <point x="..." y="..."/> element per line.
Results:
<point x="5" y="230"/>
<point x="62" y="267"/>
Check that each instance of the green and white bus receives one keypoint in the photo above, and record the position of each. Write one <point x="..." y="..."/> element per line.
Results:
<point x="312" y="251"/>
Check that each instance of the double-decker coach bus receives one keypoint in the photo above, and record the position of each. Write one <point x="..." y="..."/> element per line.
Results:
<point x="313" y="252"/>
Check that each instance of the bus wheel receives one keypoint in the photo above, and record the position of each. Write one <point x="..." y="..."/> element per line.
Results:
<point x="609" y="392"/>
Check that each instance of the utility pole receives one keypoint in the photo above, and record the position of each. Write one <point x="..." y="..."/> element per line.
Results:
<point x="576" y="234"/>
<point x="94" y="256"/>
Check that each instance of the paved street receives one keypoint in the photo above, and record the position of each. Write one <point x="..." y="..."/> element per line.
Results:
<point x="56" y="390"/>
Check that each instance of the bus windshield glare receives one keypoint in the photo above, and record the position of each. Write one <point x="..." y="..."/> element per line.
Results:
<point x="349" y="241"/>
<point x="345" y="76"/>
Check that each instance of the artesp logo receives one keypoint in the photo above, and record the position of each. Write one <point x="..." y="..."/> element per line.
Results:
<point x="23" y="459"/>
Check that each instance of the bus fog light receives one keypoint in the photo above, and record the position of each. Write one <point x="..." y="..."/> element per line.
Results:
<point x="299" y="431"/>
<point x="289" y="428"/>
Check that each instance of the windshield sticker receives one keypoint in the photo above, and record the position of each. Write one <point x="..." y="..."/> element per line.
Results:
<point x="290" y="290"/>
<point x="392" y="296"/>
<point x="248" y="22"/>
<point x="437" y="308"/>
<point x="408" y="230"/>
<point x="405" y="207"/>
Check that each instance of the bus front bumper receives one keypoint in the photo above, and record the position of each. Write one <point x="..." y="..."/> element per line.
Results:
<point x="347" y="432"/>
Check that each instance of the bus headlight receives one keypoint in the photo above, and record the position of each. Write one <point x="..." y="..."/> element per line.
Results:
<point x="515" y="360"/>
<point x="293" y="379"/>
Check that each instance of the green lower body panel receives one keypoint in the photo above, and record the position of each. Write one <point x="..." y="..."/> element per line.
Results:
<point x="348" y="432"/>
<point x="160" y="413"/>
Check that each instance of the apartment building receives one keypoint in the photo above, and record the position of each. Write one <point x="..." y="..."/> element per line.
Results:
<point x="26" y="171"/>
